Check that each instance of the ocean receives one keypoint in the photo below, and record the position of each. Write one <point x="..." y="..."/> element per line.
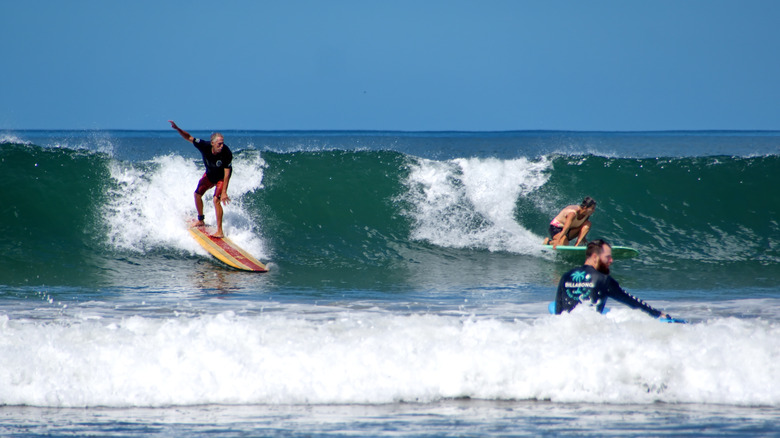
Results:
<point x="407" y="292"/>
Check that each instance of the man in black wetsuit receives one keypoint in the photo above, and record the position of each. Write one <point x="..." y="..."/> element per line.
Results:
<point x="592" y="284"/>
<point x="218" y="161"/>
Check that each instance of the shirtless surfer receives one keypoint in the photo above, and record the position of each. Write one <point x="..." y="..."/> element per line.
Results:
<point x="217" y="158"/>
<point x="572" y="222"/>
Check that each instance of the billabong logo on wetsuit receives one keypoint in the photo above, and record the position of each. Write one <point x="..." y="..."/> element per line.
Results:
<point x="580" y="285"/>
<point x="219" y="163"/>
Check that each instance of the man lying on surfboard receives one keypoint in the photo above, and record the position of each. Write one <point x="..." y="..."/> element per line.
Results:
<point x="572" y="222"/>
<point x="592" y="284"/>
<point x="218" y="161"/>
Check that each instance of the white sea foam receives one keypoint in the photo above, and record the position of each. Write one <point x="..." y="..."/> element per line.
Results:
<point x="152" y="201"/>
<point x="378" y="357"/>
<point x="470" y="202"/>
<point x="14" y="139"/>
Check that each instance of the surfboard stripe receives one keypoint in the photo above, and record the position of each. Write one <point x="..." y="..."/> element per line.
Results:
<point x="226" y="251"/>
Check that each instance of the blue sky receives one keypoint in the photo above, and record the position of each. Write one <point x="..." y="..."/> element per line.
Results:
<point x="623" y="65"/>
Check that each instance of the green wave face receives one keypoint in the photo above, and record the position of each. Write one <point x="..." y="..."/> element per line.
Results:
<point x="378" y="216"/>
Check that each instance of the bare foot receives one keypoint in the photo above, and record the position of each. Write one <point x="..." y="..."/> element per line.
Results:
<point x="218" y="235"/>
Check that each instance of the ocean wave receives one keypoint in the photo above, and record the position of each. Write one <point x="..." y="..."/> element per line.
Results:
<point x="375" y="357"/>
<point x="366" y="209"/>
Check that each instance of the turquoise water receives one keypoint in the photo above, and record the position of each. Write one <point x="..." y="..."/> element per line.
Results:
<point x="407" y="288"/>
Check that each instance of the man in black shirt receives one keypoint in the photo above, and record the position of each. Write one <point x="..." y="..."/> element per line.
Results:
<point x="218" y="161"/>
<point x="592" y="284"/>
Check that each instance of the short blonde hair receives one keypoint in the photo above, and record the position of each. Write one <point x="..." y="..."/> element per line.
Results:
<point x="217" y="134"/>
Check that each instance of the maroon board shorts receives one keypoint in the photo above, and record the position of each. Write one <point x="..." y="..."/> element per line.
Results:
<point x="205" y="184"/>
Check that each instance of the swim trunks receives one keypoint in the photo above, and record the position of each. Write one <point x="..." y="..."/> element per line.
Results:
<point x="205" y="184"/>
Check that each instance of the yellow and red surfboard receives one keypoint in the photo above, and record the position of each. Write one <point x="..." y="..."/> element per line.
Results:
<point x="225" y="250"/>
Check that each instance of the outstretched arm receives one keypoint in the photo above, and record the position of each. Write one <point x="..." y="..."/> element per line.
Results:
<point x="619" y="294"/>
<point x="185" y="135"/>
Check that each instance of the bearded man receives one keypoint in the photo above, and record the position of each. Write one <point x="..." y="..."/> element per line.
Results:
<point x="591" y="284"/>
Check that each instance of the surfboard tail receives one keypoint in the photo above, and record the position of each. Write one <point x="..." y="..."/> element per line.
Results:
<point x="226" y="251"/>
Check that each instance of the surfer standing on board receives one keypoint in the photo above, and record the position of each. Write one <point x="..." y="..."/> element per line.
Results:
<point x="218" y="160"/>
<point x="592" y="284"/>
<point x="572" y="222"/>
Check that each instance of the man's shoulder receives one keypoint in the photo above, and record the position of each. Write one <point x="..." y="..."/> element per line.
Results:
<point x="578" y="278"/>
<point x="579" y="271"/>
<point x="584" y="267"/>
<point x="589" y="272"/>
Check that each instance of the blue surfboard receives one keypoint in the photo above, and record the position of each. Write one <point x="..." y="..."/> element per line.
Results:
<point x="551" y="309"/>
